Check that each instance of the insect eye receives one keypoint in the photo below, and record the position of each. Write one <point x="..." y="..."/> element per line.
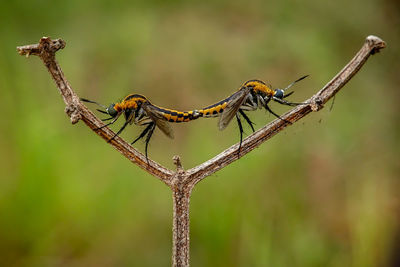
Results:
<point x="111" y="111"/>
<point x="278" y="93"/>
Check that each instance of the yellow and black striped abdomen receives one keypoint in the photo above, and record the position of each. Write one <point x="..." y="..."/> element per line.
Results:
<point x="214" y="110"/>
<point x="172" y="115"/>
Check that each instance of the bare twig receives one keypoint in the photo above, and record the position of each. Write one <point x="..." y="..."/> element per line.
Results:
<point x="180" y="181"/>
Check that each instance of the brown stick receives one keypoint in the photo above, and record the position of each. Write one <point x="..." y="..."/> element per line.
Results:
<point x="180" y="227"/>
<point x="180" y="181"/>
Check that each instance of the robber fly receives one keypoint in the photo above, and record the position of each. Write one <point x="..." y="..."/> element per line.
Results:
<point x="137" y="109"/>
<point x="251" y="95"/>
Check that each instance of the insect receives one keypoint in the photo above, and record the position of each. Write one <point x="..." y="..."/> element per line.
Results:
<point x="251" y="95"/>
<point x="137" y="109"/>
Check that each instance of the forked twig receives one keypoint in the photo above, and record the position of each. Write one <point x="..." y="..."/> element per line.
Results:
<point x="180" y="181"/>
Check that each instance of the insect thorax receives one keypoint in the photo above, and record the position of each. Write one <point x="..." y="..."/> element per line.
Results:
<point x="259" y="88"/>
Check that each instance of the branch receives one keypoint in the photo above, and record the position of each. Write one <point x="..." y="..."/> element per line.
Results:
<point x="46" y="50"/>
<point x="371" y="46"/>
<point x="180" y="181"/>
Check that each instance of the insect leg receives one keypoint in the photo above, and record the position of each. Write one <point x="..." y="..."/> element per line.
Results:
<point x="247" y="119"/>
<point x="241" y="132"/>
<point x="288" y="94"/>
<point x="107" y="119"/>
<point x="284" y="102"/>
<point x="143" y="133"/>
<point x="120" y="130"/>
<point x="148" y="137"/>
<point x="105" y="125"/>
<point x="276" y="115"/>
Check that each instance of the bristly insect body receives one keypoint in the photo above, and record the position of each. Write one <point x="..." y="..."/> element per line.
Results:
<point x="137" y="109"/>
<point x="252" y="95"/>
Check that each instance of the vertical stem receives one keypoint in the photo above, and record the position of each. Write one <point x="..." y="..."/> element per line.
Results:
<point x="180" y="228"/>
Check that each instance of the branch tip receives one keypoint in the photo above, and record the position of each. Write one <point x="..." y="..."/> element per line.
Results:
<point x="376" y="44"/>
<point x="45" y="45"/>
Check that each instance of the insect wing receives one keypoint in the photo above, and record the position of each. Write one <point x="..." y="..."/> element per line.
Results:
<point x="165" y="128"/>
<point x="159" y="120"/>
<point x="234" y="103"/>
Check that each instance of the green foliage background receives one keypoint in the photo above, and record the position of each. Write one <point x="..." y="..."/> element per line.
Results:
<point x="325" y="192"/>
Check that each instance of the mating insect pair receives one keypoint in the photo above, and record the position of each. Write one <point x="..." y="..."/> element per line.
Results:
<point x="137" y="109"/>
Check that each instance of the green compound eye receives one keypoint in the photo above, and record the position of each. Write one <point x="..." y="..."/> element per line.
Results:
<point x="111" y="111"/>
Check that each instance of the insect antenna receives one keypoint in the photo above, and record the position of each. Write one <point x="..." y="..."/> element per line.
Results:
<point x="93" y="102"/>
<point x="290" y="85"/>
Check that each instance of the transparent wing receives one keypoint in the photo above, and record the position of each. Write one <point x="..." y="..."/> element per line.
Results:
<point x="165" y="128"/>
<point x="157" y="117"/>
<point x="234" y="103"/>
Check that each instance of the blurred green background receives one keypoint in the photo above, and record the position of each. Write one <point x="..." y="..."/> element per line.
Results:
<point x="325" y="192"/>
